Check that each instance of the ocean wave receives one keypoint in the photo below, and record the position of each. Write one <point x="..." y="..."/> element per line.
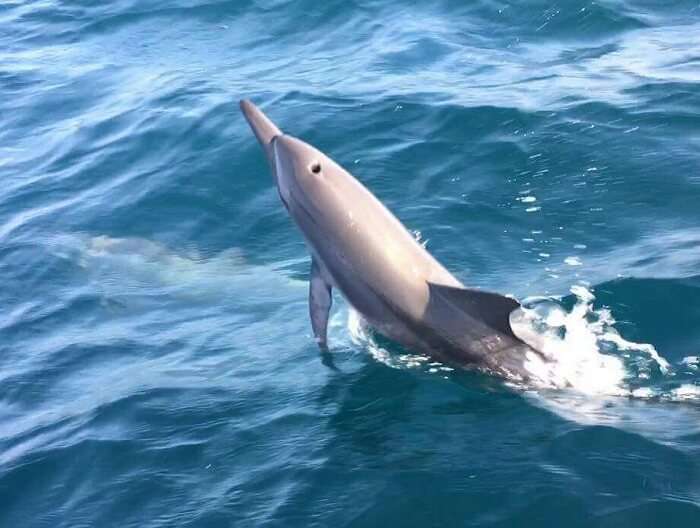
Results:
<point x="157" y="361"/>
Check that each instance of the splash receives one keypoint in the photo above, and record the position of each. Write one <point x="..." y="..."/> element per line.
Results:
<point x="576" y="346"/>
<point x="583" y="350"/>
<point x="584" y="354"/>
<point x="362" y="335"/>
<point x="587" y="357"/>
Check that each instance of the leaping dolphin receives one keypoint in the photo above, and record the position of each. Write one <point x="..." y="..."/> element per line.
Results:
<point x="360" y="248"/>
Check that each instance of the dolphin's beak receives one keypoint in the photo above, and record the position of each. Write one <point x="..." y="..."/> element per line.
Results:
<point x="262" y="127"/>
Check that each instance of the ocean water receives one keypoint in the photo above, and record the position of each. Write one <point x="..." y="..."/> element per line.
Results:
<point x="156" y="361"/>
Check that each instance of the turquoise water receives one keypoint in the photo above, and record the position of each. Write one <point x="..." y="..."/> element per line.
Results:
<point x="156" y="364"/>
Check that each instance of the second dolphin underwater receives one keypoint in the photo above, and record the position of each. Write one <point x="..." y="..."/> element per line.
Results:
<point x="360" y="248"/>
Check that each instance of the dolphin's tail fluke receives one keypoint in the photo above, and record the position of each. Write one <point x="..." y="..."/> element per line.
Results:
<point x="263" y="128"/>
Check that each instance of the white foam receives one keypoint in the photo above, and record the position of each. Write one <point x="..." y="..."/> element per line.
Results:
<point x="361" y="334"/>
<point x="644" y="393"/>
<point x="582" y="348"/>
<point x="692" y="362"/>
<point x="685" y="392"/>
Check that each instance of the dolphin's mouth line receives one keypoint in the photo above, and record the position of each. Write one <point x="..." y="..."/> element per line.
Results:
<point x="299" y="207"/>
<point x="284" y="202"/>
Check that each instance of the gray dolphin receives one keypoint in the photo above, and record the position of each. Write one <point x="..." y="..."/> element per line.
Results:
<point x="359" y="247"/>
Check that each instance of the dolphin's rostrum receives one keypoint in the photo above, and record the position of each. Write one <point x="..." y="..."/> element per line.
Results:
<point x="359" y="247"/>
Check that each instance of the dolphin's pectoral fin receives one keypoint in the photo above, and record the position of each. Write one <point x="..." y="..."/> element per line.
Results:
<point x="320" y="301"/>
<point x="491" y="308"/>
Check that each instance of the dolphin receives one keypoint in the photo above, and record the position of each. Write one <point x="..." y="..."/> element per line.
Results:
<point x="361" y="249"/>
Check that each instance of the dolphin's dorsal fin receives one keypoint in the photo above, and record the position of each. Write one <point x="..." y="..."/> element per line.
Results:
<point x="491" y="308"/>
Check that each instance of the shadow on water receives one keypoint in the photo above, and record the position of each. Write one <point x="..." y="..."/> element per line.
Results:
<point x="482" y="452"/>
<point x="369" y="414"/>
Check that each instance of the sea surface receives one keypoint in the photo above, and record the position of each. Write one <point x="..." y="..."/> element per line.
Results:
<point x="157" y="367"/>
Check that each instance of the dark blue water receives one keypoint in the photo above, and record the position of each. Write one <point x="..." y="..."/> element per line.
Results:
<point x="156" y="362"/>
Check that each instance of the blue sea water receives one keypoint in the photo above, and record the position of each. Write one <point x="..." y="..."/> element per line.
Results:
<point x="156" y="362"/>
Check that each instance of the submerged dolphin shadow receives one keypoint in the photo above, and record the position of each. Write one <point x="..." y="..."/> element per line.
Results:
<point x="327" y="358"/>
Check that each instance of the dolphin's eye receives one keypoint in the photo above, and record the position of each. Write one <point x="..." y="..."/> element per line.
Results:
<point x="315" y="167"/>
